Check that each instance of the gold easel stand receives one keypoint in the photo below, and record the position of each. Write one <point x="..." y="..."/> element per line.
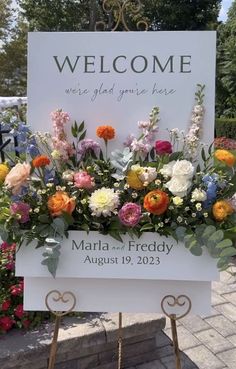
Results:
<point x="172" y="301"/>
<point x="65" y="298"/>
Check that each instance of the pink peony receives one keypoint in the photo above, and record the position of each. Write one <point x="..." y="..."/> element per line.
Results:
<point x="22" y="209"/>
<point x="83" y="180"/>
<point x="6" y="323"/>
<point x="130" y="214"/>
<point x="163" y="147"/>
<point x="19" y="311"/>
<point x="17" y="177"/>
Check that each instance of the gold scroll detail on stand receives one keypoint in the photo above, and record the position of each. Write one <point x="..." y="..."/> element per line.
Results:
<point x="171" y="301"/>
<point x="65" y="298"/>
<point x="117" y="9"/>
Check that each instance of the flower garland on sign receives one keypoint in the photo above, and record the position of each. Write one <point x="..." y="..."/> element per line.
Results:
<point x="150" y="186"/>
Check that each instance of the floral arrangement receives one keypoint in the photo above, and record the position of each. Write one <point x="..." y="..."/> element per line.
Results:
<point x="12" y="314"/>
<point x="178" y="188"/>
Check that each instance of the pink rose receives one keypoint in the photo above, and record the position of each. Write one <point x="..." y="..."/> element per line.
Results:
<point x="17" y="176"/>
<point x="83" y="180"/>
<point x="163" y="147"/>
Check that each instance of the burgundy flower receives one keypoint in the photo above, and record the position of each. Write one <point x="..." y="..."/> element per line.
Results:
<point x="5" y="305"/>
<point x="163" y="147"/>
<point x="6" y="323"/>
<point x="19" y="311"/>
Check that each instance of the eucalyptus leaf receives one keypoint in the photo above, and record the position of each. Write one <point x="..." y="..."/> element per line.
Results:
<point x="224" y="243"/>
<point x="229" y="251"/>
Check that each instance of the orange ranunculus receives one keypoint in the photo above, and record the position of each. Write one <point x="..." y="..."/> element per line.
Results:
<point x="226" y="157"/>
<point x="40" y="161"/>
<point x="156" y="202"/>
<point x="60" y="202"/>
<point x="221" y="209"/>
<point x="105" y="132"/>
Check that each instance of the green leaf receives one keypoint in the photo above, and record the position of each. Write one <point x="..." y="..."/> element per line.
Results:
<point x="215" y="238"/>
<point x="180" y="233"/>
<point x="146" y="227"/>
<point x="229" y="251"/>
<point x="83" y="135"/>
<point x="81" y="127"/>
<point x="115" y="235"/>
<point x="208" y="232"/>
<point x="196" y="250"/>
<point x="224" y="243"/>
<point x="203" y="155"/>
<point x="43" y="218"/>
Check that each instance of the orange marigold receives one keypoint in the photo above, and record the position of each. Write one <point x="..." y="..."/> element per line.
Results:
<point x="226" y="157"/>
<point x="105" y="132"/>
<point x="156" y="202"/>
<point x="40" y="161"/>
<point x="221" y="209"/>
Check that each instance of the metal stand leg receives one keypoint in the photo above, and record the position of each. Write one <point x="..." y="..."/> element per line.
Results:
<point x="120" y="341"/>
<point x="53" y="351"/>
<point x="175" y="341"/>
<point x="171" y="301"/>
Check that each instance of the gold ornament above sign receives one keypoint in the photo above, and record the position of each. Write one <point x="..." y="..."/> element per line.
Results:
<point x="117" y="11"/>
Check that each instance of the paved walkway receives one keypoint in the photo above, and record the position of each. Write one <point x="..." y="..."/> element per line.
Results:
<point x="206" y="342"/>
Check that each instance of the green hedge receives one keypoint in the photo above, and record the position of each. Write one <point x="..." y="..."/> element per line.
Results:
<point x="226" y="127"/>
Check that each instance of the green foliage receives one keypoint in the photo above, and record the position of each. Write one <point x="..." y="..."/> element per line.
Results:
<point x="226" y="66"/>
<point x="226" y="127"/>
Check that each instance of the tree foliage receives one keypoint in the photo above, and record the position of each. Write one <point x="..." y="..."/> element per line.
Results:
<point x="226" y="66"/>
<point x="81" y="15"/>
<point x="5" y="18"/>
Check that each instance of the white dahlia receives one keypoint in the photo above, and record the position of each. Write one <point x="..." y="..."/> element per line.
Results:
<point x="103" y="202"/>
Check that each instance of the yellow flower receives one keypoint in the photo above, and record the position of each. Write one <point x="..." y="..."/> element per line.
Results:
<point x="226" y="157"/>
<point x="4" y="170"/>
<point x="177" y="200"/>
<point x="133" y="179"/>
<point x="221" y="209"/>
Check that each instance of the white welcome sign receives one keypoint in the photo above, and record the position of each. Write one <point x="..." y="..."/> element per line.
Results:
<point x="116" y="79"/>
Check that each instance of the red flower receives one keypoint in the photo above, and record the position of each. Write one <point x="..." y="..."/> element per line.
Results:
<point x="163" y="147"/>
<point x="26" y="323"/>
<point x="17" y="289"/>
<point x="6" y="323"/>
<point x="19" y="311"/>
<point x="5" y="305"/>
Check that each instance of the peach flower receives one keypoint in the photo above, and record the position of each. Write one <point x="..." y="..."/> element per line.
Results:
<point x="17" y="177"/>
<point x="60" y="202"/>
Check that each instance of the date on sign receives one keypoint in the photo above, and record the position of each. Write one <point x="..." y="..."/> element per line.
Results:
<point x="123" y="260"/>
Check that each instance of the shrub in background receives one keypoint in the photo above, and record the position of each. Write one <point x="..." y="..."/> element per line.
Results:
<point x="11" y="295"/>
<point x="226" y="127"/>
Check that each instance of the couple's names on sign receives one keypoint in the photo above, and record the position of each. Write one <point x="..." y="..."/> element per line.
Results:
<point x="141" y="253"/>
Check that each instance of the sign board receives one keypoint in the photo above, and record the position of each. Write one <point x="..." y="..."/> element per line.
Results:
<point x="116" y="78"/>
<point x="97" y="256"/>
<point x="112" y="295"/>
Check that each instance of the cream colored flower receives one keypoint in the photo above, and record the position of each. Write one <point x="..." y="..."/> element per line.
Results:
<point x="198" y="195"/>
<point x="177" y="200"/>
<point x="103" y="201"/>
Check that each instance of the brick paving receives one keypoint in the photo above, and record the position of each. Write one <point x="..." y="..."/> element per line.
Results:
<point x="205" y="343"/>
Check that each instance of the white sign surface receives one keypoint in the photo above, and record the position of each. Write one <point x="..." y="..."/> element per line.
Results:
<point x="97" y="256"/>
<point x="116" y="78"/>
<point x="114" y="295"/>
